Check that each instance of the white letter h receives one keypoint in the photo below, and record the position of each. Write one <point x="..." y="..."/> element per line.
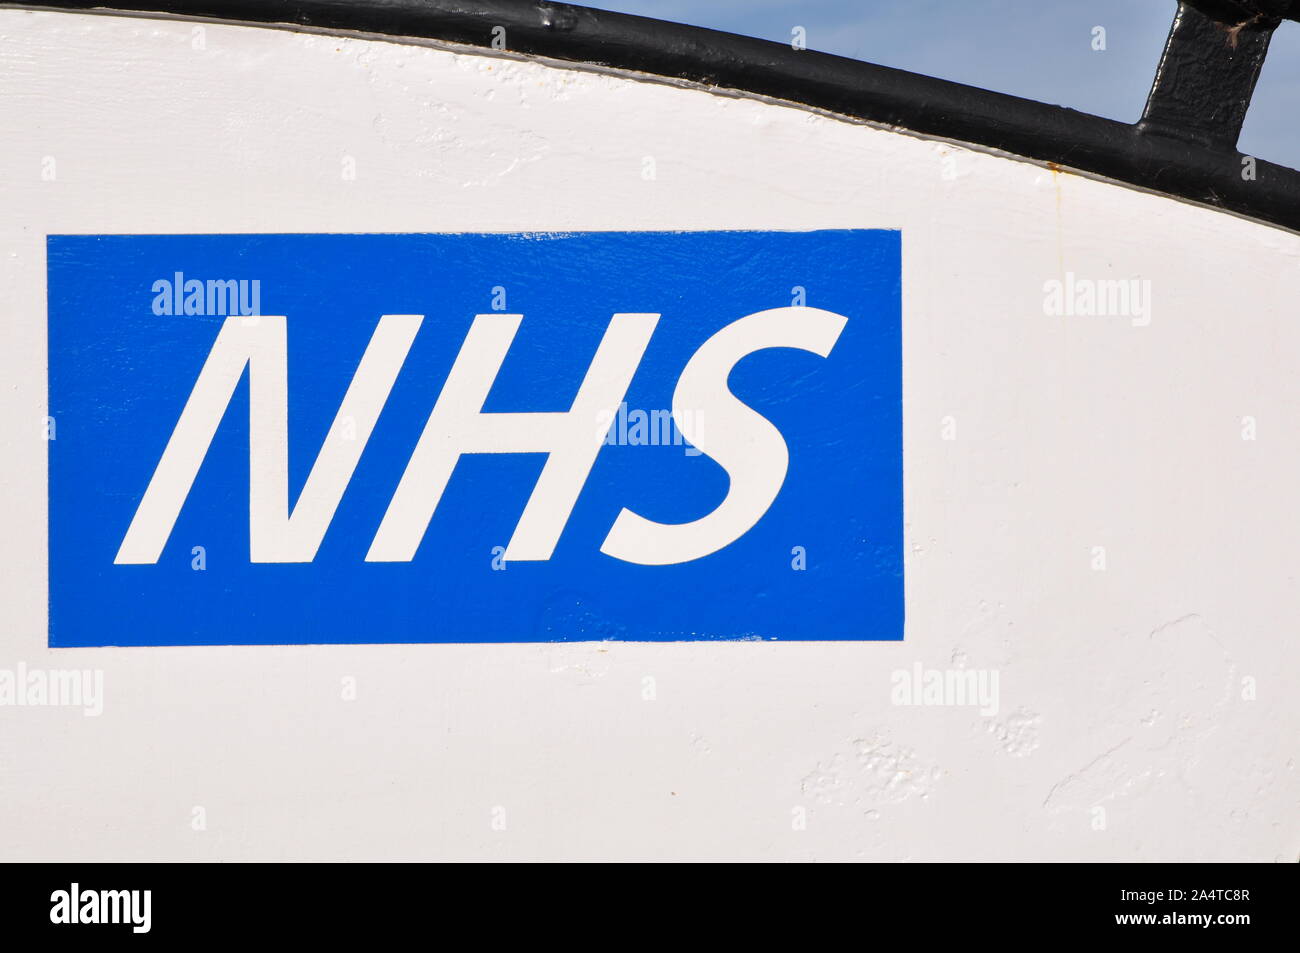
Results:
<point x="458" y="425"/>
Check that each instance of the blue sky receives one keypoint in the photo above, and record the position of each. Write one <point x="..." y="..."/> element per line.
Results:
<point x="1039" y="49"/>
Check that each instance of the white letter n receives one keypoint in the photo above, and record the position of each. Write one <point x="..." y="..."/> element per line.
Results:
<point x="275" y="536"/>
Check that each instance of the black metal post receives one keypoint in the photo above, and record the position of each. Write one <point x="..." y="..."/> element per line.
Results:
<point x="1208" y="72"/>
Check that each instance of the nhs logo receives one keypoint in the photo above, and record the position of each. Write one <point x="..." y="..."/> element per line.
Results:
<point x="274" y="439"/>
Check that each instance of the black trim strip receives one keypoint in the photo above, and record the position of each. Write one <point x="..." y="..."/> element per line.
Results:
<point x="1202" y="167"/>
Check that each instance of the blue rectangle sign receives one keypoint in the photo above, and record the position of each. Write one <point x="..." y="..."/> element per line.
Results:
<point x="658" y="436"/>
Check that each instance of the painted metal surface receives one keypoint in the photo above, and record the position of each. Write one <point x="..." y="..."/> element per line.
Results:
<point x="1186" y="145"/>
<point x="1096" y="498"/>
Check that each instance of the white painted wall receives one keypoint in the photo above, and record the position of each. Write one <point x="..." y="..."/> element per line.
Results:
<point x="1120" y="689"/>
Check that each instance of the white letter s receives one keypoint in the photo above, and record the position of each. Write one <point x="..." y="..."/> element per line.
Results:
<point x="742" y="441"/>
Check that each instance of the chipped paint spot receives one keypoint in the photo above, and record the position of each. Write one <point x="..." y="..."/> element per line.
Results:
<point x="1017" y="735"/>
<point x="874" y="771"/>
